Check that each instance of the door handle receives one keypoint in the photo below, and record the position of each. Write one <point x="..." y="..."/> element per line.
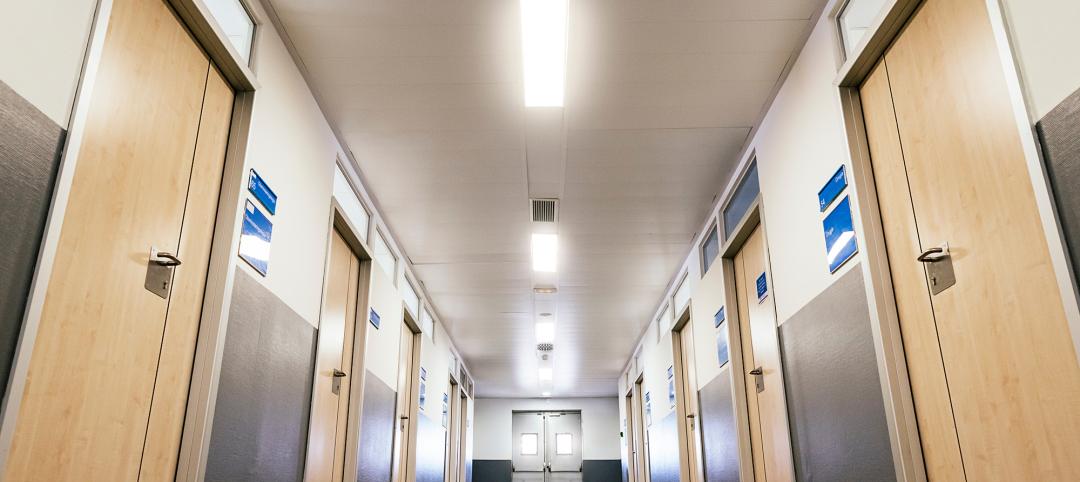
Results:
<point x="162" y="258"/>
<point x="339" y="373"/>
<point x="756" y="371"/>
<point x="336" y="385"/>
<point x="759" y="379"/>
<point x="934" y="255"/>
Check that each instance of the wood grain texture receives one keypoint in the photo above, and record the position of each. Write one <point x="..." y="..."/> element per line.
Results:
<point x="746" y="350"/>
<point x="166" y="423"/>
<point x="1010" y="362"/>
<point x="760" y="319"/>
<point x="88" y="391"/>
<point x="930" y="390"/>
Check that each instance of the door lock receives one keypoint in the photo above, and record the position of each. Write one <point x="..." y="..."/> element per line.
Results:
<point x="336" y="386"/>
<point x="759" y="379"/>
<point x="939" y="268"/>
<point x="159" y="272"/>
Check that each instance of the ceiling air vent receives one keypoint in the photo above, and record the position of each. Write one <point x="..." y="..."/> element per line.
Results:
<point x="545" y="210"/>
<point x="545" y="347"/>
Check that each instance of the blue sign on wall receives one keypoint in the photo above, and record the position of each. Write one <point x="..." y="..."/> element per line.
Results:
<point x="719" y="317"/>
<point x="762" y="288"/>
<point x="445" y="410"/>
<point x="833" y="188"/>
<point x="258" y="187"/>
<point x="671" y="392"/>
<point x="840" y="242"/>
<point x="423" y="394"/>
<point x="255" y="238"/>
<point x="722" y="355"/>
<point x="374" y="318"/>
<point x="648" y="410"/>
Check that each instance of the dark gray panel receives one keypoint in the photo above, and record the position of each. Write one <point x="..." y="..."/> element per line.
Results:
<point x="261" y="418"/>
<point x="720" y="436"/>
<point x="492" y="471"/>
<point x="430" y="450"/>
<point x="601" y="470"/>
<point x="377" y="428"/>
<point x="30" y="148"/>
<point x="834" y="396"/>
<point x="664" y="449"/>
<point x="1059" y="133"/>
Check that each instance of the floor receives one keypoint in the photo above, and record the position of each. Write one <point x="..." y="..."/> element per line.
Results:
<point x="550" y="477"/>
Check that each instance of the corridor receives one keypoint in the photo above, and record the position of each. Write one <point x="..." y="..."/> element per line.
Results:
<point x="539" y="240"/>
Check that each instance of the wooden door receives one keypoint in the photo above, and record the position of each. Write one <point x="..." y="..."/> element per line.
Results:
<point x="407" y="405"/>
<point x="107" y="385"/>
<point x="993" y="370"/>
<point x="767" y="408"/>
<point x="687" y="407"/>
<point x="630" y="438"/>
<point x="641" y="435"/>
<point x="330" y="393"/>
<point x="453" y="405"/>
<point x="463" y="436"/>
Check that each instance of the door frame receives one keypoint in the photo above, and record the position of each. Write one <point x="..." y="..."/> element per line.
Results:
<point x="637" y="390"/>
<point x="885" y="324"/>
<point x="690" y="447"/>
<point x="627" y="401"/>
<point x="202" y="394"/>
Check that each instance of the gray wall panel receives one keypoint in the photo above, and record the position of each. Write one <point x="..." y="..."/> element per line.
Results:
<point x="30" y="148"/>
<point x="834" y="399"/>
<point x="601" y="470"/>
<point x="492" y="471"/>
<point x="664" y="449"/>
<point x="430" y="450"/>
<point x="261" y="418"/>
<point x="1059" y="133"/>
<point x="720" y="436"/>
<point x="377" y="429"/>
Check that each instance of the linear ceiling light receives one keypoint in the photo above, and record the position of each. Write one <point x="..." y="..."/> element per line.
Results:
<point x="545" y="250"/>
<point x="545" y="374"/>
<point x="543" y="43"/>
<point x="545" y="332"/>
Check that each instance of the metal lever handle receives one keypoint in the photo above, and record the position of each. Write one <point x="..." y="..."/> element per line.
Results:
<point x="933" y="255"/>
<point x="756" y="371"/>
<point x="166" y="259"/>
<point x="339" y="373"/>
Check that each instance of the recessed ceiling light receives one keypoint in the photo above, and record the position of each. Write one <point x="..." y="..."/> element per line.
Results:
<point x="545" y="314"/>
<point x="545" y="250"/>
<point x="545" y="290"/>
<point x="543" y="45"/>
<point x="545" y="394"/>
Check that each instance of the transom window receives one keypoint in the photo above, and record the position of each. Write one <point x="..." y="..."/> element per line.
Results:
<point x="855" y="20"/>
<point x="236" y="23"/>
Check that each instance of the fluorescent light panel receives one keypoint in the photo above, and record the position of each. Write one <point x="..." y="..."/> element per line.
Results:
<point x="543" y="43"/>
<point x="545" y="250"/>
<point x="545" y="332"/>
<point x="545" y="374"/>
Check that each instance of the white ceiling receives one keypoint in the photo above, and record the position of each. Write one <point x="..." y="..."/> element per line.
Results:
<point x="660" y="98"/>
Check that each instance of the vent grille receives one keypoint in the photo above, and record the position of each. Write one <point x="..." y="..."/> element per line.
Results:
<point x="545" y="347"/>
<point x="545" y="210"/>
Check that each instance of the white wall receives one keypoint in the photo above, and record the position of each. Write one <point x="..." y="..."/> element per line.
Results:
<point x="492" y="425"/>
<point x="42" y="43"/>
<point x="1046" y="36"/>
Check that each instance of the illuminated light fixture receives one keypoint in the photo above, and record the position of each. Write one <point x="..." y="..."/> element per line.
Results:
<point x="545" y="394"/>
<point x="545" y="291"/>
<point x="543" y="45"/>
<point x="545" y="374"/>
<point x="545" y="332"/>
<point x="545" y="250"/>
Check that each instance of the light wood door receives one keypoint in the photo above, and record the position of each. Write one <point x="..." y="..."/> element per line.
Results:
<point x="991" y="356"/>
<point x="463" y="437"/>
<point x="687" y="406"/>
<point x="630" y="439"/>
<point x="452" y="435"/>
<point x="769" y="436"/>
<point x="641" y="434"/>
<point x="108" y="379"/>
<point x="407" y="405"/>
<point x="330" y="393"/>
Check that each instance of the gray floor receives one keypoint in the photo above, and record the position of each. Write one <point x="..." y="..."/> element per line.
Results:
<point x="551" y="477"/>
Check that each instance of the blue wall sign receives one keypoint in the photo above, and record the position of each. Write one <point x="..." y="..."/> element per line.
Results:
<point x="445" y="410"/>
<point x="840" y="242"/>
<point x="833" y="188"/>
<point x="719" y="317"/>
<point x="255" y="238"/>
<point x="722" y="355"/>
<point x="423" y="394"/>
<point x="374" y="318"/>
<point x="671" y="392"/>
<point x="648" y="410"/>
<point x="258" y="187"/>
<point x="762" y="288"/>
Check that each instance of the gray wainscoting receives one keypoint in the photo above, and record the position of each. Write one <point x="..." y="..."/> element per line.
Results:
<point x="720" y="435"/>
<point x="261" y="418"/>
<point x="601" y="470"/>
<point x="377" y="426"/>
<point x="835" y="406"/>
<point x="664" y="449"/>
<point x="1059" y="133"/>
<point x="430" y="450"/>
<point x="492" y="471"/>
<point x="30" y="148"/>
